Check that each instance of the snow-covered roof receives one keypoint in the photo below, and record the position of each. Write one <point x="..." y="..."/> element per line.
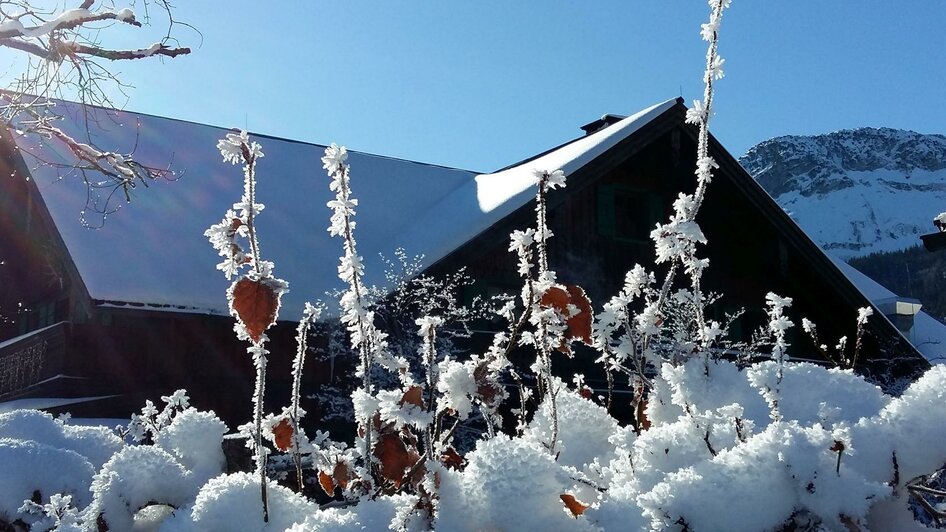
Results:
<point x="487" y="199"/>
<point x="928" y="335"/>
<point x="153" y="251"/>
<point x="40" y="403"/>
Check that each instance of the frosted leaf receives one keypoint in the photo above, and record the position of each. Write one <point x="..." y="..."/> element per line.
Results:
<point x="521" y="240"/>
<point x="696" y="114"/>
<point x="231" y="147"/>
<point x="426" y="324"/>
<point x="716" y="68"/>
<point x="708" y="30"/>
<point x="777" y="302"/>
<point x="550" y="180"/>
<point x="457" y="386"/>
<point x="334" y="159"/>
<point x="862" y="314"/>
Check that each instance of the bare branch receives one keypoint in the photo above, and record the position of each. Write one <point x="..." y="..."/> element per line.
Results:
<point x="65" y="61"/>
<point x="75" y="48"/>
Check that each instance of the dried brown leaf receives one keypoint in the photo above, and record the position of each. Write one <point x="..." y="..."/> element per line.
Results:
<point x="556" y="297"/>
<point x="282" y="435"/>
<point x="255" y="304"/>
<point x="452" y="459"/>
<point x="414" y="395"/>
<point x="574" y="506"/>
<point x="328" y="485"/>
<point x="579" y="325"/>
<point x="394" y="456"/>
<point x="341" y="474"/>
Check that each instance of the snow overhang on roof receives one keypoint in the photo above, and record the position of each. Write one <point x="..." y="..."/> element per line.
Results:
<point x="898" y="306"/>
<point x="927" y="335"/>
<point x="152" y="252"/>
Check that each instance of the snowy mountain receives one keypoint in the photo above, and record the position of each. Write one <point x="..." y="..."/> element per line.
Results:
<point x="857" y="191"/>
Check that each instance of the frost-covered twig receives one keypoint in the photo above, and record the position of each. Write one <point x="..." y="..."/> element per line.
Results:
<point x="255" y="298"/>
<point x="778" y="325"/>
<point x="842" y="359"/>
<point x="62" y="50"/>
<point x="369" y="342"/>
<point x="546" y="318"/>
<point x="676" y="241"/>
<point x="309" y="316"/>
<point x="863" y="314"/>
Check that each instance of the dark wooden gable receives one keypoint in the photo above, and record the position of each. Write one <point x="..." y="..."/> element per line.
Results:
<point x="39" y="282"/>
<point x="602" y="220"/>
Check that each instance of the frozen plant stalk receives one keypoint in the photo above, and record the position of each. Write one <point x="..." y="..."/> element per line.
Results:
<point x="255" y="297"/>
<point x="676" y="240"/>
<point x="366" y="339"/>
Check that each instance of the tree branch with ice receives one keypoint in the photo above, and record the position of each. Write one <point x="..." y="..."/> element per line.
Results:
<point x="60" y="50"/>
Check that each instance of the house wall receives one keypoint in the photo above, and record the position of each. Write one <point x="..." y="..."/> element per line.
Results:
<point x="144" y="354"/>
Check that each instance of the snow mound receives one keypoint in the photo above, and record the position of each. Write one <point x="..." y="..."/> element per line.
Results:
<point x="195" y="438"/>
<point x="232" y="502"/>
<point x="29" y="466"/>
<point x="509" y="482"/>
<point x="584" y="429"/>
<point x="138" y="476"/>
<point x="814" y="394"/>
<point x="97" y="444"/>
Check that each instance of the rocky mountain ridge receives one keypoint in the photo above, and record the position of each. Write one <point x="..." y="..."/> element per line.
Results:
<point x="859" y="191"/>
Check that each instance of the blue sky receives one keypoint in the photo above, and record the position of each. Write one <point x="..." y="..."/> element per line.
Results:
<point x="482" y="84"/>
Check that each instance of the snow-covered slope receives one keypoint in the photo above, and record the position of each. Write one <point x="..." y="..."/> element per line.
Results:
<point x="856" y="191"/>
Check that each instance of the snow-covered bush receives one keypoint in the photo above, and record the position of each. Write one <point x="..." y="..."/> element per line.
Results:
<point x="135" y="477"/>
<point x="194" y="439"/>
<point x="232" y="502"/>
<point x="28" y="466"/>
<point x="509" y="481"/>
<point x="95" y="444"/>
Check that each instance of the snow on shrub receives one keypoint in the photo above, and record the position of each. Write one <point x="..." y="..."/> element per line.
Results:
<point x="906" y="438"/>
<point x="812" y="394"/>
<point x="195" y="438"/>
<point x="585" y="429"/>
<point x="508" y="483"/>
<point x="696" y="386"/>
<point x="232" y="502"/>
<point x="135" y="477"/>
<point x="28" y="466"/>
<point x="96" y="444"/>
<point x="758" y="485"/>
<point x="391" y="512"/>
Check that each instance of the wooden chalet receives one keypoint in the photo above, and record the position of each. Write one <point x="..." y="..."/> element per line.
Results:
<point x="103" y="318"/>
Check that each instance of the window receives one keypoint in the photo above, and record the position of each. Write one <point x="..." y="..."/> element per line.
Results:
<point x="627" y="213"/>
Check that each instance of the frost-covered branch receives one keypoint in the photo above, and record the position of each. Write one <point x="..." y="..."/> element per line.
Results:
<point x="676" y="241"/>
<point x="58" y="50"/>
<point x="254" y="299"/>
